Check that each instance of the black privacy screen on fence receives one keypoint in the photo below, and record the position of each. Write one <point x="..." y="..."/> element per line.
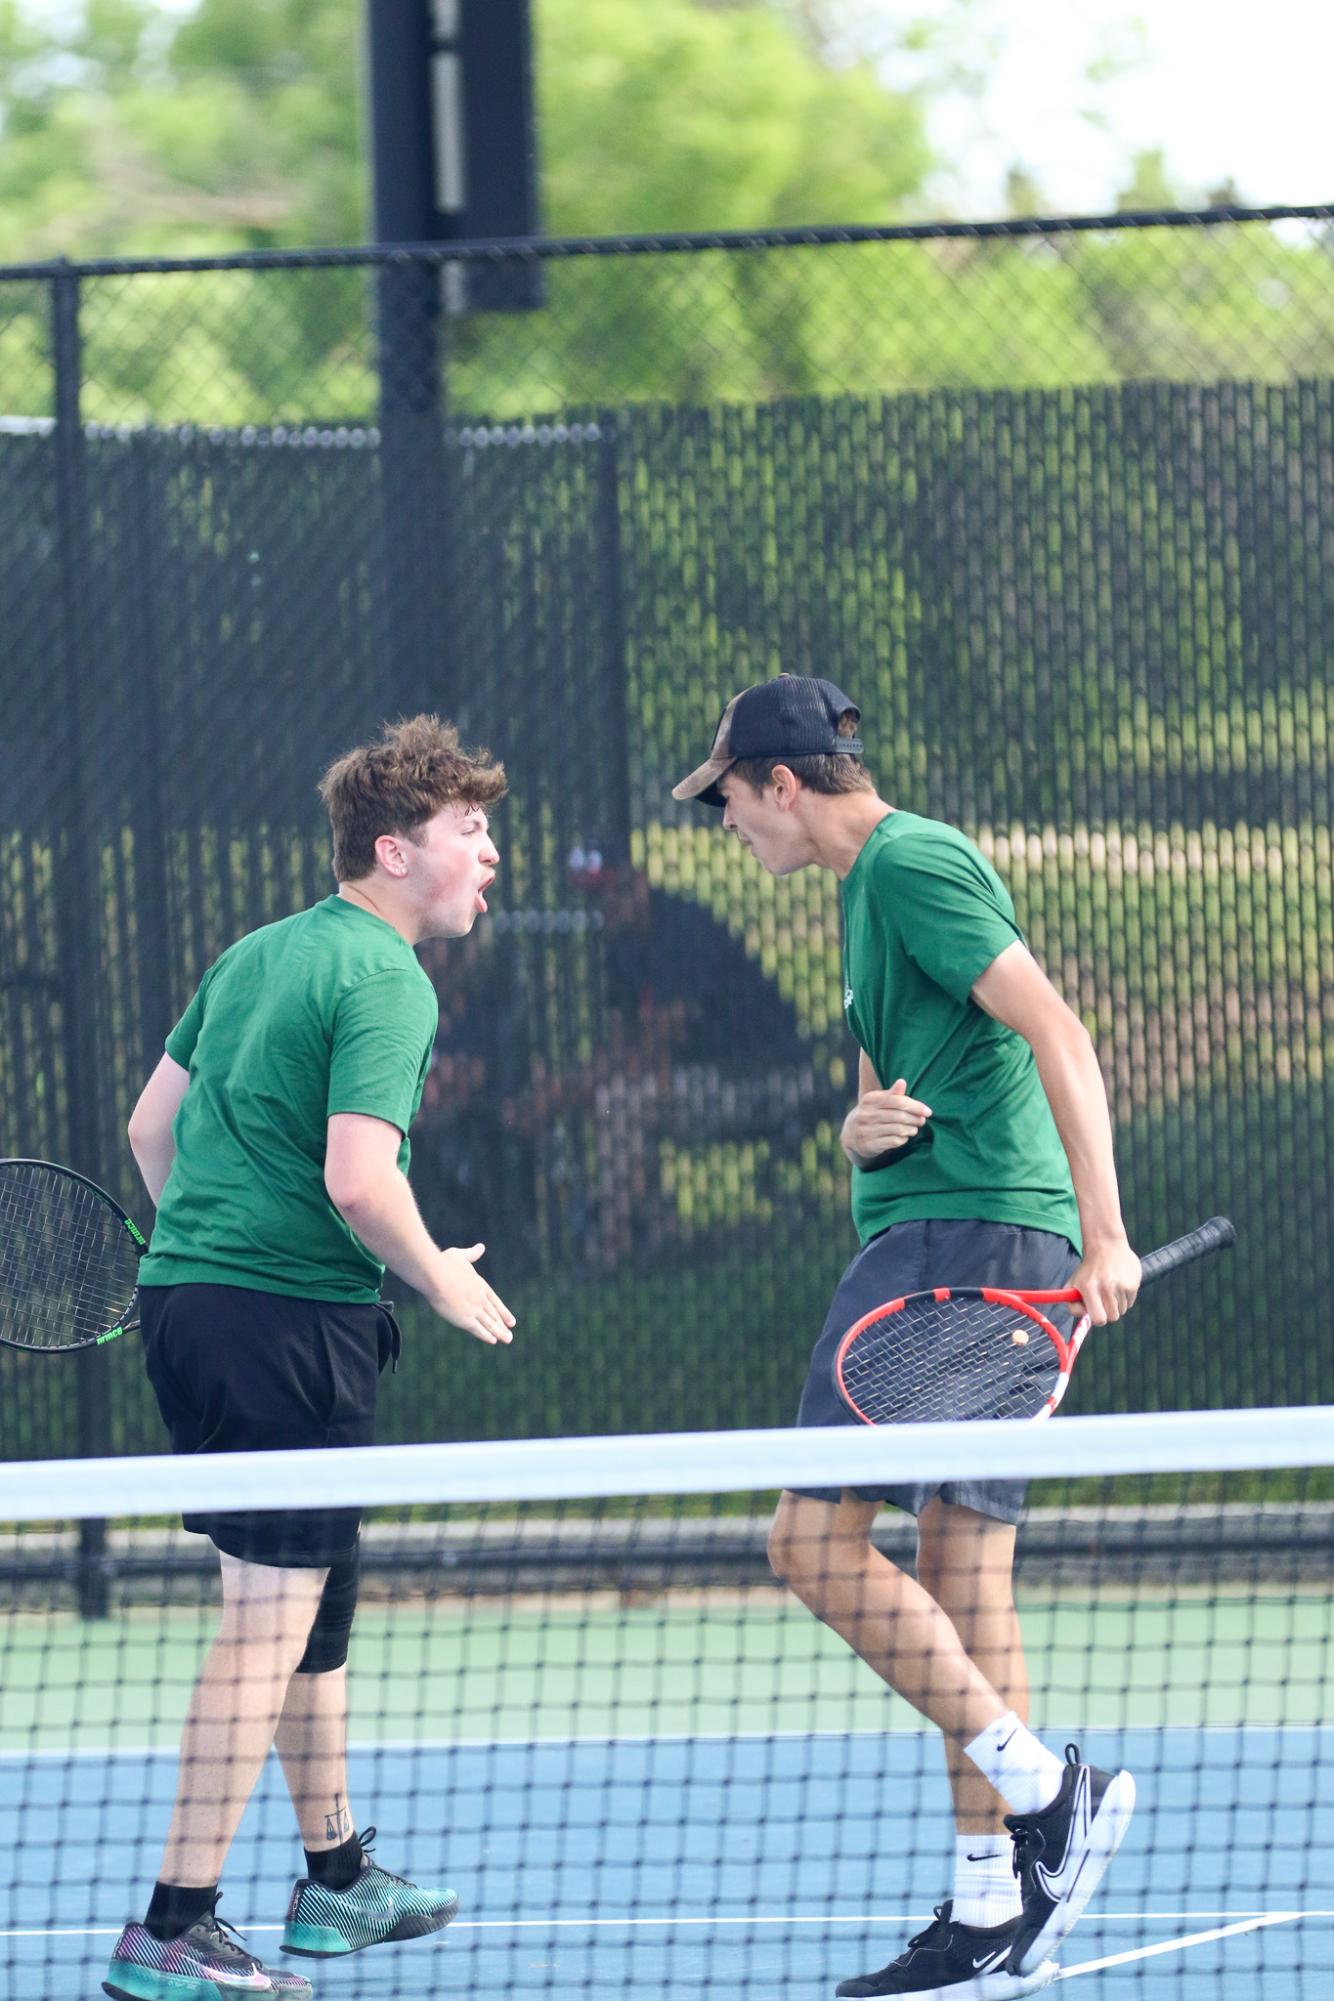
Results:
<point x="1057" y="508"/>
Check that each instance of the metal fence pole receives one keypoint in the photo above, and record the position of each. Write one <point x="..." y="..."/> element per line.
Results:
<point x="617" y="781"/>
<point x="408" y="322"/>
<point x="77" y="867"/>
<point x="413" y="485"/>
<point x="149" y="811"/>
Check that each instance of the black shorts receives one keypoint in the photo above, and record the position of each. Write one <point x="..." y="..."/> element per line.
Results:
<point x="911" y="1257"/>
<point x="241" y="1371"/>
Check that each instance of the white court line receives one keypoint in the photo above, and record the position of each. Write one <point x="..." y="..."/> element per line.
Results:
<point x="674" y="1918"/>
<point x="534" y="1924"/>
<point x="1180" y="1944"/>
<point x="877" y="1918"/>
<point x="369" y="1746"/>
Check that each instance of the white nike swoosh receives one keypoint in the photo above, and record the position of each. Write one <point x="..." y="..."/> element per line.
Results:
<point x="990" y="1959"/>
<point x="1058" y="1883"/>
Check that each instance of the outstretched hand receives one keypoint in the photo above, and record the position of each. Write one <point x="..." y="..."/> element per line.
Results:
<point x="464" y="1298"/>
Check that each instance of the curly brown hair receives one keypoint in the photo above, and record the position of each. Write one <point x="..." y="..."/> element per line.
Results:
<point x="398" y="783"/>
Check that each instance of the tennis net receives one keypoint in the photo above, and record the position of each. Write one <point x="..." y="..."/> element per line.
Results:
<point x="579" y="1697"/>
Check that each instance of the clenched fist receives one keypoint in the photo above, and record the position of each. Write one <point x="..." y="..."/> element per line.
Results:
<point x="880" y="1121"/>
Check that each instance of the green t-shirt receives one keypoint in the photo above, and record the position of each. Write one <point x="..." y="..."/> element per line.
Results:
<point x="924" y="915"/>
<point x="327" y="1011"/>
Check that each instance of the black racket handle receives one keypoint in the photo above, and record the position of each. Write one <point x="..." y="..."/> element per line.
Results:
<point x="1215" y="1235"/>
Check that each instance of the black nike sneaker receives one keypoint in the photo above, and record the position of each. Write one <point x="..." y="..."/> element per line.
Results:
<point x="954" y="1962"/>
<point x="1062" y="1853"/>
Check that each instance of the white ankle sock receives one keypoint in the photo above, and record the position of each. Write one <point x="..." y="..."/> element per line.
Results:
<point x="986" y="1889"/>
<point x="1025" y="1773"/>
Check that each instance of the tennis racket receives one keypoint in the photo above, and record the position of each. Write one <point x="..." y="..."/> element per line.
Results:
<point x="69" y="1260"/>
<point x="958" y="1354"/>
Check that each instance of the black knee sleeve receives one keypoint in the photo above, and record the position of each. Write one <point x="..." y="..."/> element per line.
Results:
<point x="327" y="1645"/>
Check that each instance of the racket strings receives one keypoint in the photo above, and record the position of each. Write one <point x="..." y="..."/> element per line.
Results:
<point x="68" y="1268"/>
<point x="941" y="1361"/>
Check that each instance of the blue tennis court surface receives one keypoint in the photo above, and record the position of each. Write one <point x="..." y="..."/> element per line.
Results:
<point x="749" y="1864"/>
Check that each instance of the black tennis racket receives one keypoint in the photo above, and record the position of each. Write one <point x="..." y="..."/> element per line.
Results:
<point x="958" y="1354"/>
<point x="69" y="1260"/>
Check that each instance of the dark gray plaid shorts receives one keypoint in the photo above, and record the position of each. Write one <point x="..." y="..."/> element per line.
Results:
<point x="911" y="1257"/>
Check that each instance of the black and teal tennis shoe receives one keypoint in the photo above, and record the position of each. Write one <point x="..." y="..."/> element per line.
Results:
<point x="206" y="1963"/>
<point x="377" y="1909"/>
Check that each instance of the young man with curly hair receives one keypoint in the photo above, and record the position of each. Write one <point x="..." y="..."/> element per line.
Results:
<point x="272" y="1137"/>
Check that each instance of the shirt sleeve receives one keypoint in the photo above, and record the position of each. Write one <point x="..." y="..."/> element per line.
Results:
<point x="180" y="1044"/>
<point x="951" y="910"/>
<point x="383" y="1031"/>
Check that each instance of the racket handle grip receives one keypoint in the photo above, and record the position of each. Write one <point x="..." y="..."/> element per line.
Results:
<point x="1215" y="1235"/>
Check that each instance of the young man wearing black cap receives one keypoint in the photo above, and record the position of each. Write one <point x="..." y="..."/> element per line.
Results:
<point x="986" y="1161"/>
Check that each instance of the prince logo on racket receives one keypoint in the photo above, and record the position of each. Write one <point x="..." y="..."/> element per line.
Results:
<point x="273" y="1138"/>
<point x="981" y="1154"/>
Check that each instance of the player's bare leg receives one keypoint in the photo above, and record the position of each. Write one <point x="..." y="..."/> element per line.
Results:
<point x="267" y="1613"/>
<point x="311" y="1741"/>
<point x="822" y="1551"/>
<point x="965" y="1560"/>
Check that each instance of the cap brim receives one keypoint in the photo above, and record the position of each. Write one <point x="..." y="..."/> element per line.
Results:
<point x="702" y="784"/>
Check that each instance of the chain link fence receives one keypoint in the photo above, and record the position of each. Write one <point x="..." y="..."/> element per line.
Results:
<point x="1054" y="501"/>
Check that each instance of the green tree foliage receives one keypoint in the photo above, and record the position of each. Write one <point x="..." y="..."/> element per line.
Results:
<point x="129" y="130"/>
<point x="679" y="117"/>
<point x="133" y="129"/>
<point x="239" y="125"/>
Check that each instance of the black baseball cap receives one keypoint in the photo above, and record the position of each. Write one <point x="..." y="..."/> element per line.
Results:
<point x="792" y="716"/>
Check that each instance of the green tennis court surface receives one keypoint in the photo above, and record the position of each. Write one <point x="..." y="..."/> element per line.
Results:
<point x="459" y="1668"/>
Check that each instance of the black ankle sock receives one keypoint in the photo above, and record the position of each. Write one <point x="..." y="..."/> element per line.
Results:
<point x="177" y="1906"/>
<point x="335" y="1868"/>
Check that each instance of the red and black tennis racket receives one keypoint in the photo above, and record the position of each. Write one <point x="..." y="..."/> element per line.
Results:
<point x="69" y="1260"/>
<point x="959" y="1354"/>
